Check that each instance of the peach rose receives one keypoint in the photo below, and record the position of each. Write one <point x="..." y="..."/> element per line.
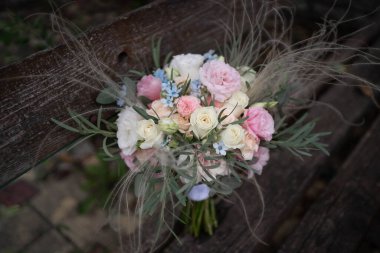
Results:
<point x="183" y="123"/>
<point x="160" y="109"/>
<point x="251" y="145"/>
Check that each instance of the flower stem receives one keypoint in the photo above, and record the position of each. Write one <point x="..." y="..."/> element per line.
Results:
<point x="200" y="216"/>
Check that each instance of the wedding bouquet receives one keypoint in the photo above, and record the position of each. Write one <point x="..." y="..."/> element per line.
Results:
<point x="195" y="135"/>
<point x="196" y="126"/>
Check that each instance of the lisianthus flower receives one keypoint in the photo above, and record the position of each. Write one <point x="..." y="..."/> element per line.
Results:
<point x="187" y="65"/>
<point x="259" y="123"/>
<point x="186" y="105"/>
<point x="262" y="156"/>
<point x="221" y="79"/>
<point x="150" y="87"/>
<point x="126" y="130"/>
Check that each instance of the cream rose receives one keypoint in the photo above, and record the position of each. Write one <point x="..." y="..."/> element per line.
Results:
<point x="187" y="65"/>
<point x="203" y="120"/>
<point x="126" y="130"/>
<point x="233" y="136"/>
<point x="150" y="133"/>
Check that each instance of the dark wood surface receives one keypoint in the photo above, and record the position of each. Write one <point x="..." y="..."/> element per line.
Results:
<point x="27" y="134"/>
<point x="339" y="220"/>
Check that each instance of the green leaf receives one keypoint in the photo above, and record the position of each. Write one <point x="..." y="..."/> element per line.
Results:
<point x="143" y="114"/>
<point x="63" y="125"/>
<point x="106" y="96"/>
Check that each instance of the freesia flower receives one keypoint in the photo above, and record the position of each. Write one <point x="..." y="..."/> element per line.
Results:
<point x="187" y="65"/>
<point x="259" y="123"/>
<point x="126" y="130"/>
<point x="221" y="79"/>
<point x="186" y="105"/>
<point x="150" y="87"/>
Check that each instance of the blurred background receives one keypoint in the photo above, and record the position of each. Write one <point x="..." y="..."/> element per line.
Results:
<point x="59" y="206"/>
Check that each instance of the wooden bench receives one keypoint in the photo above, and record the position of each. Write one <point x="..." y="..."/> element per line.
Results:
<point x="321" y="204"/>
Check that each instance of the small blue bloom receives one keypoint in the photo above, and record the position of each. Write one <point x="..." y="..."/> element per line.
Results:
<point x="210" y="55"/>
<point x="160" y="73"/>
<point x="166" y="86"/>
<point x="122" y="93"/>
<point x="173" y="91"/>
<point x="220" y="148"/>
<point x="199" y="192"/>
<point x="195" y="87"/>
<point x="168" y="101"/>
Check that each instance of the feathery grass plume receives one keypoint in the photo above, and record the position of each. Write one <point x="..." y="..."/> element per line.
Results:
<point x="257" y="36"/>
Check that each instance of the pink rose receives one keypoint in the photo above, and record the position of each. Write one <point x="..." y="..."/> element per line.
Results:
<point x="259" y="123"/>
<point x="150" y="87"/>
<point x="262" y="156"/>
<point x="187" y="104"/>
<point x="220" y="79"/>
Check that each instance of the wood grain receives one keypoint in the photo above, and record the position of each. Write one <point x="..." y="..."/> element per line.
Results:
<point x="340" y="219"/>
<point x="44" y="85"/>
<point x="283" y="182"/>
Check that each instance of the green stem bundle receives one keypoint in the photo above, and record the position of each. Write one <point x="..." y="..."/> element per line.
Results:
<point x="200" y="216"/>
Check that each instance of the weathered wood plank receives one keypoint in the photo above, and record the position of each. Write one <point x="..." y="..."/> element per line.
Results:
<point x="283" y="182"/>
<point x="28" y="104"/>
<point x="342" y="215"/>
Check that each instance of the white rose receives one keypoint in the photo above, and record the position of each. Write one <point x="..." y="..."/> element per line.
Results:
<point x="203" y="120"/>
<point x="150" y="133"/>
<point x="248" y="75"/>
<point x="188" y="65"/>
<point x="238" y="98"/>
<point x="233" y="136"/>
<point x="126" y="130"/>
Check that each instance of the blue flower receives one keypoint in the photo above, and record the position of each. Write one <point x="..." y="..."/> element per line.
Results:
<point x="168" y="101"/>
<point x="160" y="73"/>
<point x="220" y="148"/>
<point x="199" y="192"/>
<point x="195" y="87"/>
<point x="210" y="55"/>
<point x="122" y="93"/>
<point x="173" y="91"/>
<point x="166" y="86"/>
